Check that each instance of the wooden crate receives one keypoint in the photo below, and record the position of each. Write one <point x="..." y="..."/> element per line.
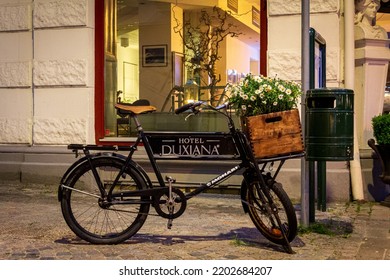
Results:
<point x="274" y="134"/>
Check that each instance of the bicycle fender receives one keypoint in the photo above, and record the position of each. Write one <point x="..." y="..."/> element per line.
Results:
<point x="132" y="164"/>
<point x="77" y="163"/>
<point x="67" y="172"/>
<point x="138" y="168"/>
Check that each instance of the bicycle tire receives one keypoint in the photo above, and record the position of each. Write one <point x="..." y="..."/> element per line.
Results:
<point x="266" y="223"/>
<point x="92" y="222"/>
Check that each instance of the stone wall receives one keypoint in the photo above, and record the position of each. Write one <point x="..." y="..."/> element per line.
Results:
<point x="46" y="71"/>
<point x="284" y="31"/>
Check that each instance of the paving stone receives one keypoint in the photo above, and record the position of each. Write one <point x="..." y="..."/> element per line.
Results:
<point x="213" y="227"/>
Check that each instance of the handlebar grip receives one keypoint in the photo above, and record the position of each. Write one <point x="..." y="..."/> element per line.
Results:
<point x="223" y="106"/>
<point x="184" y="108"/>
<point x="190" y="105"/>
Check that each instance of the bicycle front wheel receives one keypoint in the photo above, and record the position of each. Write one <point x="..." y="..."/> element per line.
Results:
<point x="102" y="220"/>
<point x="265" y="212"/>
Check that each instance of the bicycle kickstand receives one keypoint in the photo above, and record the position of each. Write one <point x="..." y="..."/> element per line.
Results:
<point x="287" y="246"/>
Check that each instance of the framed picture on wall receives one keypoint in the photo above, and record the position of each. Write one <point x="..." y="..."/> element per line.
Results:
<point x="154" y="56"/>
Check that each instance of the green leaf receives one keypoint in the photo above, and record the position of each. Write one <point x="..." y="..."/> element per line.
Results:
<point x="381" y="127"/>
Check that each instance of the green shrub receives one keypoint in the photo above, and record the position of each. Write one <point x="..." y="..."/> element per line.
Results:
<point x="381" y="127"/>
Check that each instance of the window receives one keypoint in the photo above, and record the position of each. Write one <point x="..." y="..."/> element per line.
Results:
<point x="140" y="54"/>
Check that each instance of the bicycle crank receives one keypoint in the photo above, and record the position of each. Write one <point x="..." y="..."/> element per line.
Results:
<point x="171" y="204"/>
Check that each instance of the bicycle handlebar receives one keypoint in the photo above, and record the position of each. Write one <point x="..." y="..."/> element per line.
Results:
<point x="191" y="105"/>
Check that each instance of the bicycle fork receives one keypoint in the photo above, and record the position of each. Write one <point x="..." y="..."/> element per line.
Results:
<point x="269" y="205"/>
<point x="272" y="211"/>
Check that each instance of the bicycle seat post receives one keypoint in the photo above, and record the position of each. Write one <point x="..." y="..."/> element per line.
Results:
<point x="137" y="123"/>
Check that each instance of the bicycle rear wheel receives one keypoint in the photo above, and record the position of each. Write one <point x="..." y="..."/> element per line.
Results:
<point x="265" y="213"/>
<point x="89" y="216"/>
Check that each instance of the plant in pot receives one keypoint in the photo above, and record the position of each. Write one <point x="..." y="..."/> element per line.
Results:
<point x="269" y="115"/>
<point x="381" y="129"/>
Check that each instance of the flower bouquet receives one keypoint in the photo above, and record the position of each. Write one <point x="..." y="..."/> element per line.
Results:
<point x="269" y="115"/>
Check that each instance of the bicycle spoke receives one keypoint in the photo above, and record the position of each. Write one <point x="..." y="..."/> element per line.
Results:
<point x="76" y="190"/>
<point x="96" y="219"/>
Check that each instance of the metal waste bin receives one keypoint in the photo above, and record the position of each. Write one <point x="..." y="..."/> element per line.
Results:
<point x="329" y="124"/>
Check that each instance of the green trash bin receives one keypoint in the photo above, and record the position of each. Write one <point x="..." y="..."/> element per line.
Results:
<point x="329" y="124"/>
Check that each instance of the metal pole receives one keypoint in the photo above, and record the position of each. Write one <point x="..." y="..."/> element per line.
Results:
<point x="305" y="68"/>
<point x="321" y="173"/>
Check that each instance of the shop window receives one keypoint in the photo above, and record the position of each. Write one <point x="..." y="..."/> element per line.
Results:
<point x="140" y="55"/>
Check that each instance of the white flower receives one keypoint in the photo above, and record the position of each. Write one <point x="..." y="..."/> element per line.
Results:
<point x="272" y="92"/>
<point x="228" y="87"/>
<point x="257" y="79"/>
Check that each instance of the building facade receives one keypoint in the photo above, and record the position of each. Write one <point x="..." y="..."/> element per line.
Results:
<point x="65" y="63"/>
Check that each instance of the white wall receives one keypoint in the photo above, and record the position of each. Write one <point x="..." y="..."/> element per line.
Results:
<point x="239" y="55"/>
<point x="46" y="71"/>
<point x="284" y="37"/>
<point x="15" y="72"/>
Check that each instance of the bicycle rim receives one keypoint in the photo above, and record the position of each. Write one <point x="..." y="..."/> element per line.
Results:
<point x="264" y="214"/>
<point x="88" y="218"/>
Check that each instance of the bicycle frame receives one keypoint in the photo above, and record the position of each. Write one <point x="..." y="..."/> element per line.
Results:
<point x="240" y="144"/>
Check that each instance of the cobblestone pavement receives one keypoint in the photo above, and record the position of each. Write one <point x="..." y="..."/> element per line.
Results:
<point x="213" y="227"/>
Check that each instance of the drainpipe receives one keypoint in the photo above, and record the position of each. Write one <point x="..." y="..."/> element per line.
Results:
<point x="349" y="66"/>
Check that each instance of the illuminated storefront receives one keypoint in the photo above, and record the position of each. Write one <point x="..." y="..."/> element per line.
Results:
<point x="158" y="52"/>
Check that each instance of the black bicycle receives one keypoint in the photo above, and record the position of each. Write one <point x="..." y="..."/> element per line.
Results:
<point x="106" y="196"/>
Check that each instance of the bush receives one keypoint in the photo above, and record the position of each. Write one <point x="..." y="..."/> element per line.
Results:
<point x="381" y="127"/>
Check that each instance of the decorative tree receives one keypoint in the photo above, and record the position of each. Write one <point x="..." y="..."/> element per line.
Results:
<point x="202" y="38"/>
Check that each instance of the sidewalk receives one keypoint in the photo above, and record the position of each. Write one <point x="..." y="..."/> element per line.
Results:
<point x="213" y="227"/>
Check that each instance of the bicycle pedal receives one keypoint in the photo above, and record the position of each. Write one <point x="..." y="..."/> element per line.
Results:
<point x="169" y="224"/>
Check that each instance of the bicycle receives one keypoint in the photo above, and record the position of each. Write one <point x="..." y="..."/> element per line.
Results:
<point x="106" y="197"/>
